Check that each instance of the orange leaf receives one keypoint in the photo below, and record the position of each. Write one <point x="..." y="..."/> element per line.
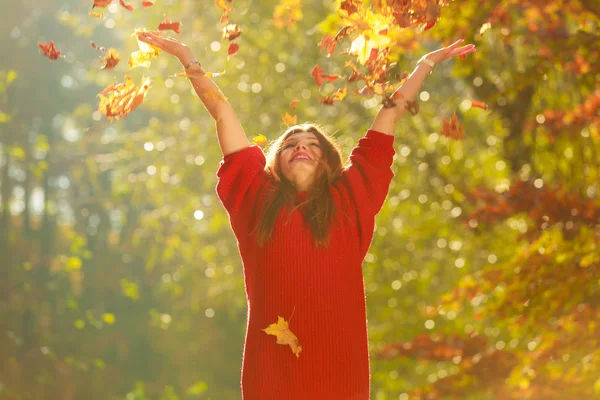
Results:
<point x="111" y="59"/>
<point x="293" y="103"/>
<point x="337" y="96"/>
<point x="48" y="50"/>
<point x="147" y="3"/>
<point x="479" y="104"/>
<point x="453" y="129"/>
<point x="284" y="335"/>
<point x="101" y="3"/>
<point x="289" y="119"/>
<point x="169" y="25"/>
<point x="96" y="15"/>
<point x="129" y="7"/>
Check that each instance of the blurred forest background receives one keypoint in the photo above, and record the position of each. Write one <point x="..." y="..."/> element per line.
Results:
<point x="120" y="276"/>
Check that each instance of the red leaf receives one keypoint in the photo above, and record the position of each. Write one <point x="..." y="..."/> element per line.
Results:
<point x="147" y="3"/>
<point x="317" y="74"/>
<point x="233" y="49"/>
<point x="129" y="7"/>
<point x="48" y="50"/>
<point x="293" y="103"/>
<point x="169" y="25"/>
<point x="429" y="25"/>
<point x="99" y="48"/>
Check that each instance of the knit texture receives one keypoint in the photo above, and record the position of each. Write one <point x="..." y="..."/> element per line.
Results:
<point x="324" y="288"/>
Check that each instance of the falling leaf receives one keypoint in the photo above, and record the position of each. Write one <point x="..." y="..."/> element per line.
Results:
<point x="479" y="104"/>
<point x="453" y="129"/>
<point x="337" y="96"/>
<point x="96" y="15"/>
<point x="284" y="335"/>
<point x="484" y="28"/>
<point x="129" y="7"/>
<point x="169" y="25"/>
<point x="147" y="3"/>
<point x="111" y="59"/>
<point x="48" y="50"/>
<point x="231" y="32"/>
<point x="144" y="55"/>
<point x="259" y="140"/>
<point x="290" y="119"/>
<point x="119" y="99"/>
<point x="287" y="13"/>
<point x="293" y="103"/>
<point x="101" y="3"/>
<point x="99" y="48"/>
<point x="226" y="10"/>
<point x="232" y="49"/>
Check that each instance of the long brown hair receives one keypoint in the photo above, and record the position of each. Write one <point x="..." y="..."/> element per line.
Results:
<point x="320" y="209"/>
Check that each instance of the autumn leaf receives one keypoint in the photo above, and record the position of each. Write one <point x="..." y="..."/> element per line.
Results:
<point x="96" y="15"/>
<point x="111" y="59"/>
<point x="287" y="13"/>
<point x="101" y="3"/>
<point x="226" y="10"/>
<point x="144" y="55"/>
<point x="147" y="3"/>
<point x="233" y="49"/>
<point x="119" y="99"/>
<point x="317" y="74"/>
<point x="169" y="25"/>
<point x="48" y="50"/>
<point x="289" y="119"/>
<point x="99" y="48"/>
<point x="284" y="335"/>
<point x="479" y="104"/>
<point x="259" y="140"/>
<point x="231" y="32"/>
<point x="452" y="128"/>
<point x="127" y="6"/>
<point x="337" y="96"/>
<point x="293" y="103"/>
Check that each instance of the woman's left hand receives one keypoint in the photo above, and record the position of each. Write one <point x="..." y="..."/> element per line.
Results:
<point x="450" y="51"/>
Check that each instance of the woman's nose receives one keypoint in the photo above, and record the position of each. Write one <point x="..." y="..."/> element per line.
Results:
<point x="299" y="145"/>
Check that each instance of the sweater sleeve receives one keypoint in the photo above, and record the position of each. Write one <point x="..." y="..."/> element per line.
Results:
<point x="241" y="176"/>
<point x="367" y="179"/>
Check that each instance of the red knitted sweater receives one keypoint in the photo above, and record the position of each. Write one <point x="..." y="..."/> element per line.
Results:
<point x="323" y="287"/>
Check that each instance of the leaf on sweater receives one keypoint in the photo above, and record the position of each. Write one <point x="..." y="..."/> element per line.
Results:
<point x="284" y="335"/>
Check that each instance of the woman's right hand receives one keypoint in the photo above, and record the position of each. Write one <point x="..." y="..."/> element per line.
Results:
<point x="168" y="44"/>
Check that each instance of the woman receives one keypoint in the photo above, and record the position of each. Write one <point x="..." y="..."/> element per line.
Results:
<point x="304" y="225"/>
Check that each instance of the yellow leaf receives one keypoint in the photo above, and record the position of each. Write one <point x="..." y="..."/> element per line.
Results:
<point x="290" y="119"/>
<point x="142" y="57"/>
<point x="259" y="140"/>
<point x="284" y="335"/>
<point x="484" y="28"/>
<point x="108" y="318"/>
<point x="79" y="324"/>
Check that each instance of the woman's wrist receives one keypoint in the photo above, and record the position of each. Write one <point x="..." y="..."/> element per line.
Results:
<point x="185" y="58"/>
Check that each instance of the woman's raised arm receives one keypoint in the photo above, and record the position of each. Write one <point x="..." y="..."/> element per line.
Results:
<point x="230" y="133"/>
<point x="387" y="117"/>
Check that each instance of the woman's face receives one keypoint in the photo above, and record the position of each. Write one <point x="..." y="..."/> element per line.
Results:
<point x="299" y="159"/>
